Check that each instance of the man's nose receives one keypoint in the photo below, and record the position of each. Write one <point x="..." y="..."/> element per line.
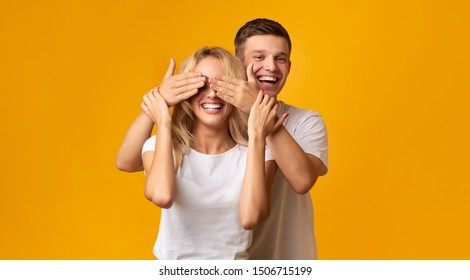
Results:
<point x="270" y="64"/>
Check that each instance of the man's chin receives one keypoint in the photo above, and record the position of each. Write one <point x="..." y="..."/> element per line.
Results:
<point x="269" y="90"/>
<point x="273" y="92"/>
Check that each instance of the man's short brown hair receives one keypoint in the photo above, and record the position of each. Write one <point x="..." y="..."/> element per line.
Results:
<point x="259" y="26"/>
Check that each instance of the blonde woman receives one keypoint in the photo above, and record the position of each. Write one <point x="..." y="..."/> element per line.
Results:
<point x="206" y="166"/>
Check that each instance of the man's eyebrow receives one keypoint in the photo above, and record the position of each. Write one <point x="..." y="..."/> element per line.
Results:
<point x="258" y="51"/>
<point x="283" y="53"/>
<point x="265" y="51"/>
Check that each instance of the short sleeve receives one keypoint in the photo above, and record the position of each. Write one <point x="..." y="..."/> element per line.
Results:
<point x="308" y="130"/>
<point x="149" y="145"/>
<point x="267" y="154"/>
<point x="312" y="136"/>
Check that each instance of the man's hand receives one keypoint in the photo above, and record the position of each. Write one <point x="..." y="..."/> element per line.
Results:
<point x="240" y="93"/>
<point x="176" y="88"/>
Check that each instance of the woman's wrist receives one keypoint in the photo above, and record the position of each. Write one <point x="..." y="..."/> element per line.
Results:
<point x="257" y="139"/>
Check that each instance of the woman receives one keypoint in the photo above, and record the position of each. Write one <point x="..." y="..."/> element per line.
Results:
<point x="213" y="188"/>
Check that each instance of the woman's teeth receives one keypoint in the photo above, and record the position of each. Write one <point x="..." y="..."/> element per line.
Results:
<point x="212" y="106"/>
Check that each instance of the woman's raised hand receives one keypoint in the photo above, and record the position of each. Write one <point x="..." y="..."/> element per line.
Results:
<point x="263" y="118"/>
<point x="156" y="107"/>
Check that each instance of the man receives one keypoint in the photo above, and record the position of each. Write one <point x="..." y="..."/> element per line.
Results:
<point x="299" y="148"/>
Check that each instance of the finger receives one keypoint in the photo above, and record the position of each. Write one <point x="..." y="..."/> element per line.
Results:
<point x="223" y="84"/>
<point x="143" y="107"/>
<point x="185" y="76"/>
<point x="189" y="83"/>
<point x="188" y="94"/>
<point x="272" y="102"/>
<point x="171" y="69"/>
<point x="151" y="96"/>
<point x="146" y="97"/>
<point x="157" y="95"/>
<point x="227" y="80"/>
<point x="147" y="102"/>
<point x="266" y="99"/>
<point x="146" y="111"/>
<point x="272" y="113"/>
<point x="259" y="98"/>
<point x="223" y="90"/>
<point x="250" y="74"/>
<point x="153" y="91"/>
<point x="225" y="97"/>
<point x="280" y="121"/>
<point x="150" y="92"/>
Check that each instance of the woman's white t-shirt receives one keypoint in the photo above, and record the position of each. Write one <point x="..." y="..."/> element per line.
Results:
<point x="204" y="220"/>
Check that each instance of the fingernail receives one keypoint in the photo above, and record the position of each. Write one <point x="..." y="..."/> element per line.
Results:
<point x="287" y="115"/>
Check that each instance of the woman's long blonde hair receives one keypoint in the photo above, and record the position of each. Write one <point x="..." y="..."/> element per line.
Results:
<point x="183" y="118"/>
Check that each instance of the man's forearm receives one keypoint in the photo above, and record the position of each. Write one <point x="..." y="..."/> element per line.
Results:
<point x="129" y="157"/>
<point x="300" y="169"/>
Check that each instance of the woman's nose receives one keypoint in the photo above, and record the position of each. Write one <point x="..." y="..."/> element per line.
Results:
<point x="211" y="93"/>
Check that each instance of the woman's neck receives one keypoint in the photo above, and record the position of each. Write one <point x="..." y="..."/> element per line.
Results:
<point x="212" y="141"/>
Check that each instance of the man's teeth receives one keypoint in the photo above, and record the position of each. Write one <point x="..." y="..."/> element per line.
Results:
<point x="211" y="106"/>
<point x="267" y="79"/>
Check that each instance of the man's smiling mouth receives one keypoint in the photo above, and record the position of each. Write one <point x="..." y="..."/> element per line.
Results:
<point x="268" y="79"/>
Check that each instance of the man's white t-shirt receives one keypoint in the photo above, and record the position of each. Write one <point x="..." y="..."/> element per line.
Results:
<point x="288" y="232"/>
<point x="204" y="221"/>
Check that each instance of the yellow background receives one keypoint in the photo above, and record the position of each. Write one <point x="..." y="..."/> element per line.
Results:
<point x="391" y="79"/>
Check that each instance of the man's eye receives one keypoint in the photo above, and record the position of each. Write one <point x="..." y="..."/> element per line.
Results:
<point x="258" y="57"/>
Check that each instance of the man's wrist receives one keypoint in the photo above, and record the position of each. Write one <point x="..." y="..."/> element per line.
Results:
<point x="272" y="136"/>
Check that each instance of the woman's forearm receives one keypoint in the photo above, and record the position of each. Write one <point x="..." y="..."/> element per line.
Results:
<point x="161" y="181"/>
<point x="254" y="199"/>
